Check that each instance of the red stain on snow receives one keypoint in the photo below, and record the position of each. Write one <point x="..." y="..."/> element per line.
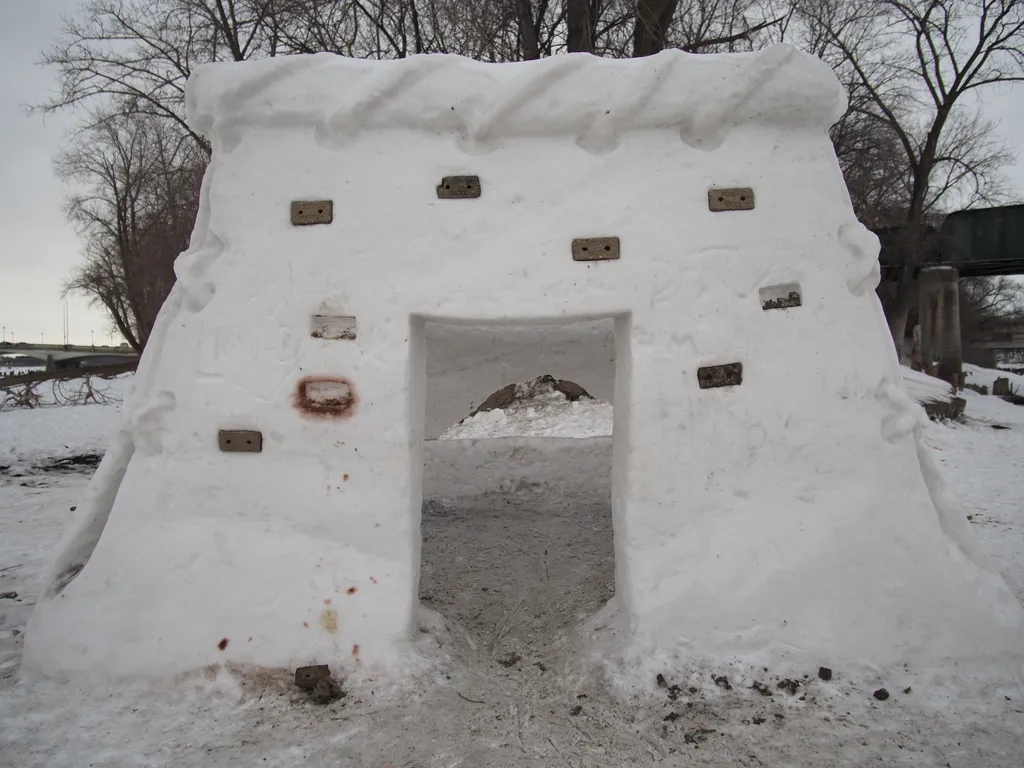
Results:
<point x="325" y="397"/>
<point x="351" y="590"/>
<point x="373" y="580"/>
<point x="305" y="624"/>
<point x="345" y="478"/>
<point x="327" y="601"/>
<point x="355" y="650"/>
<point x="223" y="644"/>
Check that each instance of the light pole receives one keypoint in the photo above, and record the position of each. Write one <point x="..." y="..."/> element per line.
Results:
<point x="92" y="335"/>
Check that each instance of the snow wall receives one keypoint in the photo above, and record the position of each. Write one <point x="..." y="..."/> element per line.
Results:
<point x="788" y="508"/>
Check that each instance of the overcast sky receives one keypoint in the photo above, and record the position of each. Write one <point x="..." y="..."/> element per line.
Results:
<point x="39" y="249"/>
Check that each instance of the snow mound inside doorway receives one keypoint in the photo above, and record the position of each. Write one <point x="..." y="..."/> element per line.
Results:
<point x="543" y="407"/>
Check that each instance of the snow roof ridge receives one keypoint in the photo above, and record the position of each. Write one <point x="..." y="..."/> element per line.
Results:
<point x="591" y="98"/>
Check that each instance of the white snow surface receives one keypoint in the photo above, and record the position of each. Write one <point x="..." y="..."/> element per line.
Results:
<point x="517" y="544"/>
<point x="923" y="388"/>
<point x="986" y="377"/>
<point x="33" y="435"/>
<point x="555" y="418"/>
<point x="762" y="520"/>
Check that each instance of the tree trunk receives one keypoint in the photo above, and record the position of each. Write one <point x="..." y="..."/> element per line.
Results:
<point x="913" y="247"/>
<point x="898" y="309"/>
<point x="580" y="24"/>
<point x="528" y="30"/>
<point x="653" y="18"/>
<point x="916" y="356"/>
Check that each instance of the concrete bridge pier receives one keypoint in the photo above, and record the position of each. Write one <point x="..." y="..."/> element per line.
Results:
<point x="939" y="311"/>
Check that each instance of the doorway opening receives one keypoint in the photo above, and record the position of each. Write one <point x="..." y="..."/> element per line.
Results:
<point x="517" y="528"/>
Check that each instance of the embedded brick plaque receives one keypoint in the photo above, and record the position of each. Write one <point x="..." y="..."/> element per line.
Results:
<point x="734" y="199"/>
<point x="333" y="327"/>
<point x="595" y="249"/>
<point x="240" y="441"/>
<point x="307" y="677"/>
<point x="729" y="375"/>
<point x="784" y="296"/>
<point x="306" y="212"/>
<point x="459" y="187"/>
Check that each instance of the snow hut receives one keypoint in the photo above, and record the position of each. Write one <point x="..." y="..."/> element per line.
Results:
<point x="262" y="502"/>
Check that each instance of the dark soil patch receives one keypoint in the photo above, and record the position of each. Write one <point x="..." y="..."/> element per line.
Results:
<point x="82" y="462"/>
<point x="77" y="463"/>
<point x="789" y="686"/>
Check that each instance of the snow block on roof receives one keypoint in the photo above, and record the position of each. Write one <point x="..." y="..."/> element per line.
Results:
<point x="784" y="505"/>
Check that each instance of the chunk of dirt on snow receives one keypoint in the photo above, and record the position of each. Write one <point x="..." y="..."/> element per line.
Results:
<point x="789" y="686"/>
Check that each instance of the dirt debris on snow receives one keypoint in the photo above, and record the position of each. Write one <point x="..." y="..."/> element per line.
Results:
<point x="789" y="686"/>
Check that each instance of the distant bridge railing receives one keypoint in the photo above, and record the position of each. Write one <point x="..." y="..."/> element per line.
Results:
<point x="102" y="371"/>
<point x="27" y="348"/>
<point x="979" y="242"/>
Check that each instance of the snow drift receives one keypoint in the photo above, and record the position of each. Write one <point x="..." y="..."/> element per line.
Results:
<point x="780" y="506"/>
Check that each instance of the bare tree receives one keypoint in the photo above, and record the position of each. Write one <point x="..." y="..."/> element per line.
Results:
<point x="529" y="29"/>
<point x="25" y="395"/>
<point x="581" y="25"/>
<point x="139" y="180"/>
<point x="83" y="390"/>
<point x="140" y="53"/>
<point x="989" y="306"/>
<point x="909" y="65"/>
<point x="135" y="159"/>
<point x="653" y="18"/>
<point x="874" y="168"/>
<point x="703" y="26"/>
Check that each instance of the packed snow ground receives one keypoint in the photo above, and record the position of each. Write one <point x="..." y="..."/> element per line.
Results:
<point x="29" y="437"/>
<point x="516" y="553"/>
<point x="985" y="377"/>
